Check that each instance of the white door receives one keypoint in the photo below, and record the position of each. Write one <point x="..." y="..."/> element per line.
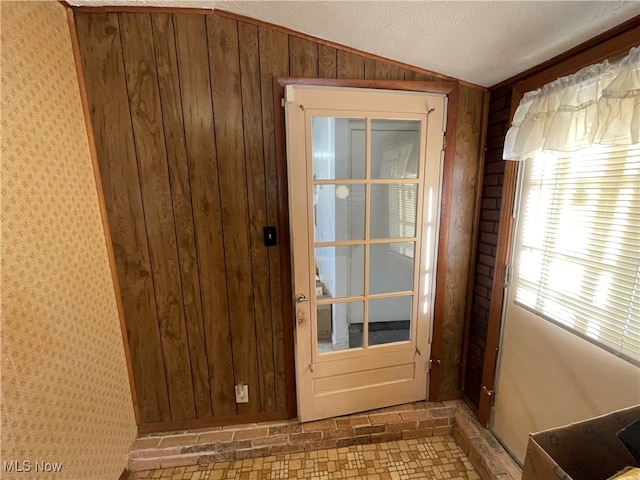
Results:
<point x="364" y="172"/>
<point x="550" y="371"/>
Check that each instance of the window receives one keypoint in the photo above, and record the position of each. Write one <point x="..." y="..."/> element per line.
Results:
<point x="400" y="161"/>
<point x="579" y="244"/>
<point x="402" y="216"/>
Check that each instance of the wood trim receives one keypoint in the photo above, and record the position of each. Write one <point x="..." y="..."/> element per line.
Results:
<point x="443" y="244"/>
<point x="497" y="289"/>
<point x="124" y="475"/>
<point x="447" y="396"/>
<point x="212" y="422"/>
<point x="142" y="9"/>
<point x="103" y="209"/>
<point x="465" y="398"/>
<point x="610" y="49"/>
<point x="405" y="85"/>
<point x="622" y="29"/>
<point x="449" y="88"/>
<point x="278" y="28"/>
<point x="338" y="46"/>
<point x="285" y="247"/>
<point x="474" y="241"/>
<point x="611" y="44"/>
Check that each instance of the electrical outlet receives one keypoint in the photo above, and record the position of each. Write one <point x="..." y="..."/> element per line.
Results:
<point x="242" y="393"/>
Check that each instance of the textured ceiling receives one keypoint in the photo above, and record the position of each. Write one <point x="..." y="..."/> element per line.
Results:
<point x="482" y="42"/>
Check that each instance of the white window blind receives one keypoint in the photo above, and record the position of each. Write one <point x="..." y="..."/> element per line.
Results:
<point x="402" y="216"/>
<point x="579" y="244"/>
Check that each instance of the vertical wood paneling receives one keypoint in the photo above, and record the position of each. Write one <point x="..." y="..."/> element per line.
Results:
<point x="350" y="65"/>
<point x="465" y="181"/>
<point x="384" y="71"/>
<point x="193" y="64"/>
<point x="418" y="76"/>
<point x="146" y="118"/>
<point x="327" y="59"/>
<point x="257" y="196"/>
<point x="202" y="294"/>
<point x="101" y="52"/>
<point x="303" y="58"/>
<point x="369" y="69"/>
<point x="274" y="62"/>
<point x="169" y="83"/>
<point x="227" y="106"/>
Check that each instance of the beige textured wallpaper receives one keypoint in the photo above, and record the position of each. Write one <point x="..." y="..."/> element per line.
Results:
<point x="65" y="394"/>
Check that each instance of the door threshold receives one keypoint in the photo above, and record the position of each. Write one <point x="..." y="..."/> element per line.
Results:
<point x="237" y="442"/>
<point x="402" y="422"/>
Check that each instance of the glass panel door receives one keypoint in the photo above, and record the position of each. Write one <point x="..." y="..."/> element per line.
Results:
<point x="366" y="188"/>
<point x="364" y="172"/>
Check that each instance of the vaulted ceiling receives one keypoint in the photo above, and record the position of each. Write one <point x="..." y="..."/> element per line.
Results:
<point x="482" y="42"/>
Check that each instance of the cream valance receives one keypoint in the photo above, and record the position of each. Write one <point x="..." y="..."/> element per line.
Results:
<point x="600" y="104"/>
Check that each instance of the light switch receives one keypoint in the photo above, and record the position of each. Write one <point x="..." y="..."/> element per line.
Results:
<point x="242" y="393"/>
<point x="270" y="238"/>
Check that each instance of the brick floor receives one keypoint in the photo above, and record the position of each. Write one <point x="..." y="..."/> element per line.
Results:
<point x="226" y="452"/>
<point x="402" y="422"/>
<point x="435" y="457"/>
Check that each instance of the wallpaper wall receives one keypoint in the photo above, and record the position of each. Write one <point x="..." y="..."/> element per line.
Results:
<point x="65" y="391"/>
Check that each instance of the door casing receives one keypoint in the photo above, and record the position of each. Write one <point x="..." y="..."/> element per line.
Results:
<point x="445" y="87"/>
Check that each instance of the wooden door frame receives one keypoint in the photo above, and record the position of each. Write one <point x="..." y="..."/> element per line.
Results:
<point x="611" y="44"/>
<point x="448" y="88"/>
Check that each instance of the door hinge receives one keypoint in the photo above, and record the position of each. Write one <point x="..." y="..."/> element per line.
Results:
<point x="507" y="275"/>
<point x="444" y="141"/>
<point x="491" y="394"/>
<point x="434" y="361"/>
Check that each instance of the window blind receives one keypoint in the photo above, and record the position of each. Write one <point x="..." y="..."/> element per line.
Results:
<point x="402" y="216"/>
<point x="579" y="244"/>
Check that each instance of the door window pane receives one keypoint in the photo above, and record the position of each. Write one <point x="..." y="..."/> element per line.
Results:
<point x="340" y="326"/>
<point x="395" y="148"/>
<point x="393" y="210"/>
<point x="339" y="212"/>
<point x="389" y="320"/>
<point x="340" y="271"/>
<point x="338" y="148"/>
<point x="389" y="271"/>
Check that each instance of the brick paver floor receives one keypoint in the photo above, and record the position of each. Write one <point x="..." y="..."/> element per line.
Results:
<point x="436" y="457"/>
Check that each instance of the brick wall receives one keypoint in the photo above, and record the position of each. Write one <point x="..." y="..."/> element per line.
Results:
<point x="499" y="112"/>
<point x="613" y="43"/>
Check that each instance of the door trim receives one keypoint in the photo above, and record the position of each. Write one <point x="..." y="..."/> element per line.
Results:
<point x="451" y="89"/>
<point x="610" y="44"/>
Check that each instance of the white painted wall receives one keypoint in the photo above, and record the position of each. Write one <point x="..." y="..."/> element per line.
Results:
<point x="549" y="377"/>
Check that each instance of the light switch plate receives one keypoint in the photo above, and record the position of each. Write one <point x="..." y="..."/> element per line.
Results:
<point x="242" y="393"/>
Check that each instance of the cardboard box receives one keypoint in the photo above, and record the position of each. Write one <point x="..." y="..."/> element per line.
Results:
<point x="581" y="451"/>
<point x="324" y="321"/>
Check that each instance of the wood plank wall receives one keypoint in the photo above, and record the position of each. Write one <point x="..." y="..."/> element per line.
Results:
<point x="182" y="111"/>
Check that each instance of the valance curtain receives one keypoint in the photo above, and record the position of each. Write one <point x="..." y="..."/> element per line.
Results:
<point x="600" y="104"/>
